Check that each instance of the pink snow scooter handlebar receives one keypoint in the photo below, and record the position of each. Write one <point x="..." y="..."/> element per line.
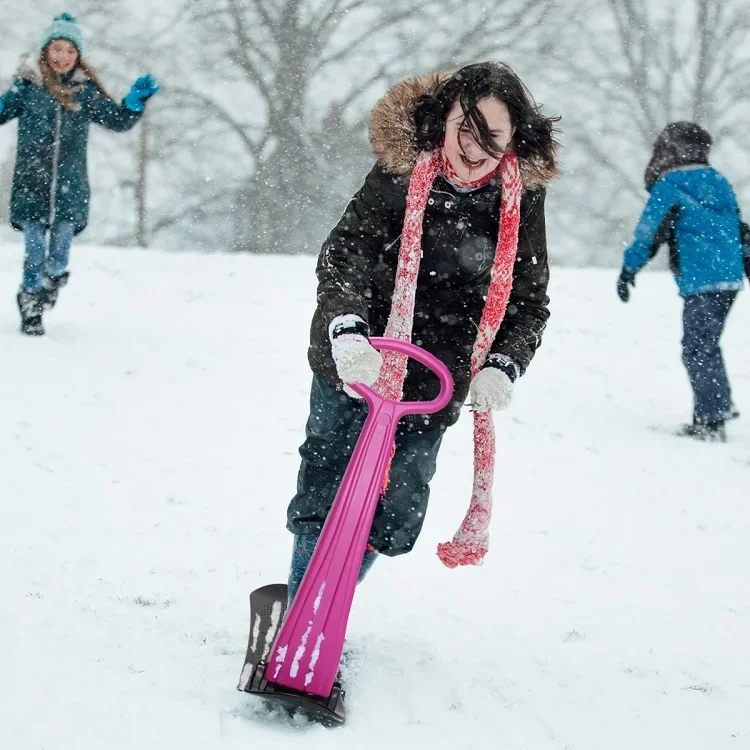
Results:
<point x="307" y="651"/>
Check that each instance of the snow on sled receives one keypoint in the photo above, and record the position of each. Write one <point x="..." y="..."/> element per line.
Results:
<point x="267" y="608"/>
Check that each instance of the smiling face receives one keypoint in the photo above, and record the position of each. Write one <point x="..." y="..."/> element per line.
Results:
<point x="62" y="56"/>
<point x="461" y="148"/>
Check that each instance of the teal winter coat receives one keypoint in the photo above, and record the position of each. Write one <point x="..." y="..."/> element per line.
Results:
<point x="50" y="181"/>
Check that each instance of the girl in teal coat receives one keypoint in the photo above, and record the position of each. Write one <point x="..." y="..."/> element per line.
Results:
<point x="55" y="96"/>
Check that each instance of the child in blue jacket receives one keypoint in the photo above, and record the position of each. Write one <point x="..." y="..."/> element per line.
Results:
<point x="693" y="208"/>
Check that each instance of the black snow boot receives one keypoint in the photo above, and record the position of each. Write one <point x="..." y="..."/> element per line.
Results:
<point x="30" y="306"/>
<point x="707" y="432"/>
<point x="51" y="286"/>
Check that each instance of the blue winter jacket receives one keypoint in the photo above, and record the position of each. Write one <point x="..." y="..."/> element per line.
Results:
<point x="696" y="210"/>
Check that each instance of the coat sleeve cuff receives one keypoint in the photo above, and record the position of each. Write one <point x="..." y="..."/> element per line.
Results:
<point x="348" y="323"/>
<point x="506" y="364"/>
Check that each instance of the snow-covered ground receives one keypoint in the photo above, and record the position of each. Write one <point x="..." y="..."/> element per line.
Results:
<point x="148" y="451"/>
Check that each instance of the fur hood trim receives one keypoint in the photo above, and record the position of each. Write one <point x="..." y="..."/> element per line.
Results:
<point x="392" y="131"/>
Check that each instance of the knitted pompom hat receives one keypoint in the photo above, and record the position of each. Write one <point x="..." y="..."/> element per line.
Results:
<point x="63" y="26"/>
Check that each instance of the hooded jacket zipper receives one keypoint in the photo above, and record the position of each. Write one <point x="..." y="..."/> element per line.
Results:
<point x="55" y="160"/>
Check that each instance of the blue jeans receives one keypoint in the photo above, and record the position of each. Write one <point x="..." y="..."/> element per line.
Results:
<point x="704" y="317"/>
<point x="36" y="261"/>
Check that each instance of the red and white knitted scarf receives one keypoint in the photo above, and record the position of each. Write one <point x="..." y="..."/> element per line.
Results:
<point x="471" y="541"/>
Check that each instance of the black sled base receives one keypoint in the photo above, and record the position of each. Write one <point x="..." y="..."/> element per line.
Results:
<point x="329" y="711"/>
<point x="267" y="609"/>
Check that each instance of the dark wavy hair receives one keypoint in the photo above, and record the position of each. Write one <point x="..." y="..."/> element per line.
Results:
<point x="534" y="138"/>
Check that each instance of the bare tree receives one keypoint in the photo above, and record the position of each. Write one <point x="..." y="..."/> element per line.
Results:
<point x="124" y="49"/>
<point x="294" y="63"/>
<point x="260" y="134"/>
<point x="272" y="54"/>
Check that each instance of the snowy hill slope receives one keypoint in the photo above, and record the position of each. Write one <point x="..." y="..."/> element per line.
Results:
<point x="148" y="450"/>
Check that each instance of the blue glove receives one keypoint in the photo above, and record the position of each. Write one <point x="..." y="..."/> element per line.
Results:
<point x="145" y="87"/>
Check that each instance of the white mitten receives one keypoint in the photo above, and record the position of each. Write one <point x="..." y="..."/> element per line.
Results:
<point x="492" y="387"/>
<point x="356" y="359"/>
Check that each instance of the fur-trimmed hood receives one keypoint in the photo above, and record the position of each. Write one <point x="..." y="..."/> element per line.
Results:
<point x="392" y="131"/>
<point x="28" y="70"/>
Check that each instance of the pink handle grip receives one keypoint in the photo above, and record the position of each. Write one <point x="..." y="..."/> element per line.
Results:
<point x="424" y="357"/>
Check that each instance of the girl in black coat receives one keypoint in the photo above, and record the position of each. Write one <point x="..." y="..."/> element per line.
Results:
<point x="458" y="192"/>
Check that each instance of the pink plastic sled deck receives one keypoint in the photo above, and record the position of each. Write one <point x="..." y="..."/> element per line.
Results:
<point x="293" y="656"/>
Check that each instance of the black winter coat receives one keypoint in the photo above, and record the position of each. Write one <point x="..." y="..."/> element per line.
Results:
<point x="357" y="266"/>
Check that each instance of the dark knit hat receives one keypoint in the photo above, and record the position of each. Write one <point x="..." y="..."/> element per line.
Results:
<point x="679" y="144"/>
<point x="684" y="137"/>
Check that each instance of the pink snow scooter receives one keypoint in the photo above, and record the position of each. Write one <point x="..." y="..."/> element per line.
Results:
<point x="295" y="658"/>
